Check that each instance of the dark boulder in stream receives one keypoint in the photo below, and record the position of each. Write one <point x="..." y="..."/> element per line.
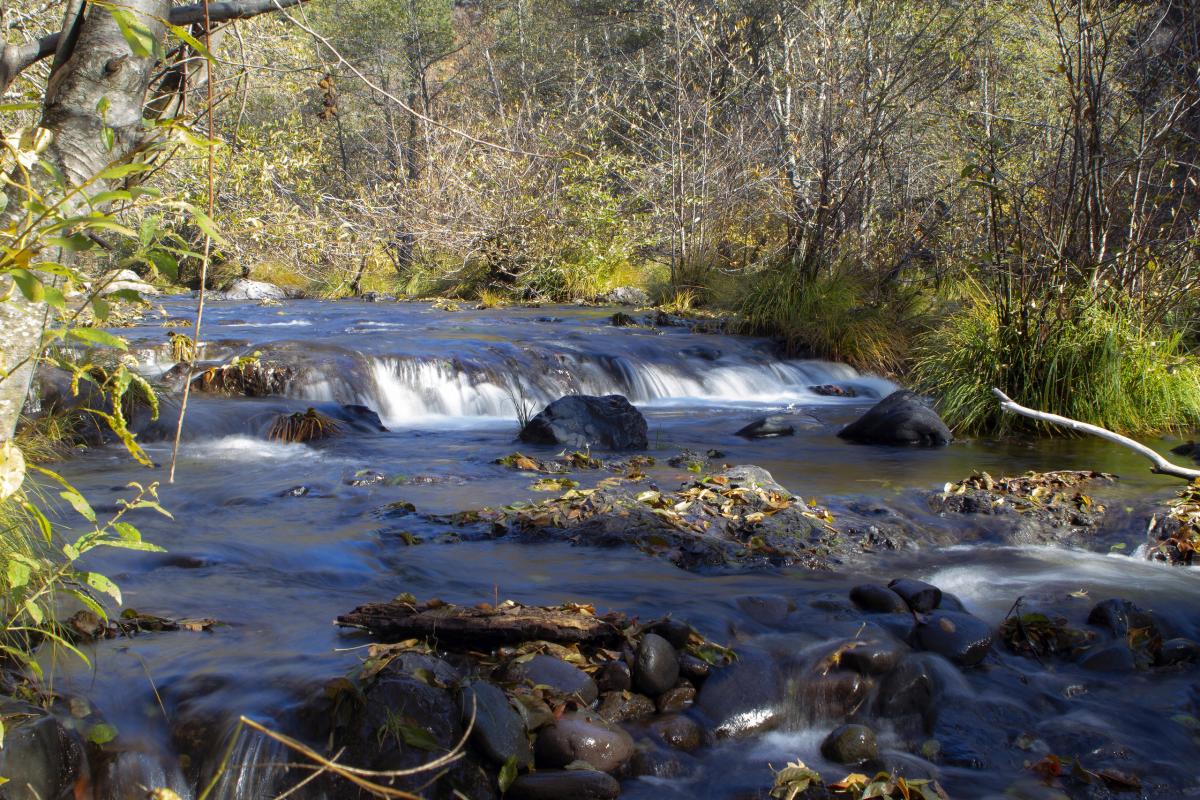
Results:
<point x="901" y="418"/>
<point x="583" y="421"/>
<point x="767" y="428"/>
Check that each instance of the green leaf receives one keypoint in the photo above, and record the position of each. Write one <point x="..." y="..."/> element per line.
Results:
<point x="109" y="197"/>
<point x="18" y="574"/>
<point x="414" y="736"/>
<point x="101" y="734"/>
<point x="165" y="263"/>
<point x="137" y="35"/>
<point x="101" y="307"/>
<point x="191" y="41"/>
<point x="108" y="137"/>
<point x="29" y="106"/>
<point x="144" y="547"/>
<point x="119" y="171"/>
<point x="205" y="224"/>
<point x="97" y="336"/>
<point x="79" y="504"/>
<point x="102" y="584"/>
<point x="508" y="774"/>
<point x="29" y="284"/>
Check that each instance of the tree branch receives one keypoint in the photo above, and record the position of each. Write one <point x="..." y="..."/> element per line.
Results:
<point x="14" y="59"/>
<point x="1161" y="465"/>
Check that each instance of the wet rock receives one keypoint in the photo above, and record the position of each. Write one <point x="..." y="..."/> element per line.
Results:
<point x="1118" y="616"/>
<point x="130" y="773"/>
<point x="628" y="296"/>
<point x="771" y="610"/>
<point x="832" y="696"/>
<point x="499" y="731"/>
<point x="833" y="390"/>
<point x="693" y="668"/>
<point x="621" y="320"/>
<point x="583" y="736"/>
<point x="908" y="691"/>
<point x="425" y="666"/>
<point x="295" y="491"/>
<point x="656" y="668"/>
<point x="246" y="289"/>
<point x="920" y="596"/>
<point x="1179" y="651"/>
<point x="951" y="602"/>
<point x="579" y="420"/>
<point x="676" y="699"/>
<point x="677" y="731"/>
<point x="961" y="638"/>
<point x="901" y="418"/>
<point x="767" y="428"/>
<point x="361" y="418"/>
<point x="614" y="676"/>
<point x="878" y="599"/>
<point x="556" y="784"/>
<point x="872" y="658"/>
<point x="744" y="697"/>
<point x="560" y="676"/>
<point x="1116" y="657"/>
<point x="659" y="762"/>
<point x="41" y="757"/>
<point x="674" y="631"/>
<point x="850" y="744"/>
<point x="625" y="706"/>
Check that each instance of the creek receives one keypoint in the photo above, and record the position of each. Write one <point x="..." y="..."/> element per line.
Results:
<point x="275" y="569"/>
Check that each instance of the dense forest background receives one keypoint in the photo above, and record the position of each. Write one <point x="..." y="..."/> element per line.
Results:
<point x="966" y="194"/>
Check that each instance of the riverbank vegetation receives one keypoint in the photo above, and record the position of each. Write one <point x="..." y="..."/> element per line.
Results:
<point x="952" y="194"/>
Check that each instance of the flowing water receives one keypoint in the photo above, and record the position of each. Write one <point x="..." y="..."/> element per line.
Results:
<point x="276" y="569"/>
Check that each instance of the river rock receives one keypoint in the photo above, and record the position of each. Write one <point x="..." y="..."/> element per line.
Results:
<point x="745" y="697"/>
<point x="767" y="428"/>
<point x="850" y="744"/>
<point x="901" y="418"/>
<point x="1115" y="657"/>
<point x="1118" y="616"/>
<point x="676" y="699"/>
<point x="560" y="676"/>
<point x="675" y="631"/>
<point x="41" y="757"/>
<point x="920" y="596"/>
<point x="878" y="599"/>
<point x="832" y="696"/>
<point x="621" y="320"/>
<point x="246" y="289"/>
<point x="769" y="609"/>
<point x="872" y="658"/>
<point x="962" y="638"/>
<point x="130" y="773"/>
<point x="581" y="421"/>
<point x="361" y="418"/>
<point x="908" y="691"/>
<point x="613" y="676"/>
<point x="124" y="280"/>
<point x="423" y="665"/>
<point x="654" y="761"/>
<point x="656" y="668"/>
<point x="678" y="731"/>
<point x="499" y="731"/>
<point x="1179" y="651"/>
<point x="833" y="390"/>
<point x="583" y="736"/>
<point x="695" y="669"/>
<point x="625" y="706"/>
<point x="628" y="296"/>
<point x="559" y="784"/>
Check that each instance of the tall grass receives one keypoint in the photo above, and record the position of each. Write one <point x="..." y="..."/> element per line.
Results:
<point x="831" y="317"/>
<point x="1096" y="365"/>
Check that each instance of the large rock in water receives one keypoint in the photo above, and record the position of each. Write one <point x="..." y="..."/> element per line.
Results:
<point x="124" y="280"/>
<point x="581" y="420"/>
<point x="901" y="418"/>
<point x="246" y="289"/>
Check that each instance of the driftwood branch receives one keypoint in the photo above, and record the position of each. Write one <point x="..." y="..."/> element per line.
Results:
<point x="15" y="58"/>
<point x="1161" y="465"/>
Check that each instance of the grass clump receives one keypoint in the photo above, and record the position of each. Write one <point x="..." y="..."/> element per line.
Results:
<point x="303" y="426"/>
<point x="829" y="317"/>
<point x="1092" y="364"/>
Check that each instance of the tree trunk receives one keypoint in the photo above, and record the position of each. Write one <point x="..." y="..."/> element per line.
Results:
<point x="93" y="61"/>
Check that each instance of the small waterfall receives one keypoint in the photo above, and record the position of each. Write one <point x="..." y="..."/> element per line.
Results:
<point x="257" y="768"/>
<point x="405" y="389"/>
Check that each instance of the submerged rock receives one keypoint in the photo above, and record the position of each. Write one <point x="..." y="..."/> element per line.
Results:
<point x="767" y="428"/>
<point x="901" y="418"/>
<point x="878" y="599"/>
<point x="961" y="638"/>
<point x="582" y="421"/>
<point x="850" y="744"/>
<point x="745" y="697"/>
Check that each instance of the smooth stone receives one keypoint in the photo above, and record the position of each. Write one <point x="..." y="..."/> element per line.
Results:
<point x="556" y="784"/>
<point x="920" y="596"/>
<point x="578" y="420"/>
<point x="1118" y="616"/>
<point x="767" y="428"/>
<point x="833" y="696"/>
<point x="873" y="658"/>
<point x="625" y="706"/>
<point x="878" y="599"/>
<point x="499" y="730"/>
<point x="41" y="756"/>
<point x="677" y="699"/>
<point x="850" y="744"/>
<point x="675" y="631"/>
<point x="951" y="602"/>
<point x="677" y="731"/>
<point x="907" y="690"/>
<point x="771" y="609"/>
<point x="1116" y="657"/>
<point x="656" y="668"/>
<point x="902" y="418"/>
<point x="583" y="736"/>
<point x="246" y="289"/>
<point x="696" y="669"/>
<point x="745" y="697"/>
<point x="962" y="638"/>
<point x="413" y="663"/>
<point x="560" y="676"/>
<point x="1179" y="651"/>
<point x="614" y="676"/>
<point x="655" y="761"/>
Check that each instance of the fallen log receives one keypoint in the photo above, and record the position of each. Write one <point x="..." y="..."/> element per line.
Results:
<point x="484" y="627"/>
<point x="1160" y="464"/>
